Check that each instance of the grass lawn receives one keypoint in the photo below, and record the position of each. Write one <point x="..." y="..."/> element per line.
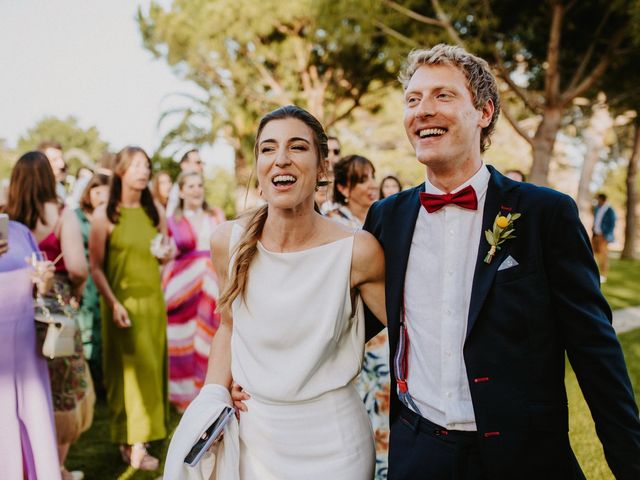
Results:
<point x="100" y="460"/>
<point x="622" y="288"/>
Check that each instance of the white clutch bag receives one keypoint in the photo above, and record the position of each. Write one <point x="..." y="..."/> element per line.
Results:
<point x="59" y="336"/>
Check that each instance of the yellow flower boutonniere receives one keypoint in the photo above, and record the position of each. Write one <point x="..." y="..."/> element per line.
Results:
<point x="502" y="231"/>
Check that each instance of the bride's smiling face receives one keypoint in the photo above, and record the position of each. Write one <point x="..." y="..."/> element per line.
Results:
<point x="287" y="164"/>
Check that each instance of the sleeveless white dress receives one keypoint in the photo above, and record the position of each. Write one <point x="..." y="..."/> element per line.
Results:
<point x="296" y="346"/>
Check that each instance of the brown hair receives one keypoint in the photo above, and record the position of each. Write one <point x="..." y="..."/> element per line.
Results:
<point x="348" y="172"/>
<point x="98" y="180"/>
<point x="32" y="185"/>
<point x="155" y="187"/>
<point x="393" y="179"/>
<point x="123" y="162"/>
<point x="480" y="81"/>
<point x="247" y="246"/>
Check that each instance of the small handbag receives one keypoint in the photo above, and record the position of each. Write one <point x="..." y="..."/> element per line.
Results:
<point x="59" y="332"/>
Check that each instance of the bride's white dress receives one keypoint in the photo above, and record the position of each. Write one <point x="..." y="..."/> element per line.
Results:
<point x="297" y="345"/>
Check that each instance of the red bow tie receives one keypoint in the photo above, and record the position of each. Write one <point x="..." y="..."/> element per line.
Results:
<point x="465" y="198"/>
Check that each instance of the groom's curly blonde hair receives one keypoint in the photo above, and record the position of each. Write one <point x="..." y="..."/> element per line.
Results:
<point x="480" y="81"/>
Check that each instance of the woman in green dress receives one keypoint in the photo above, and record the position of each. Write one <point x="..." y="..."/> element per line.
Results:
<point x="95" y="194"/>
<point x="134" y="317"/>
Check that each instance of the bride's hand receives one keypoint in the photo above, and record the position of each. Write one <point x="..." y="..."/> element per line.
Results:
<point x="237" y="397"/>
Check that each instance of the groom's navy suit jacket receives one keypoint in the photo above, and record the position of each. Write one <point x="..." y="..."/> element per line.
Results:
<point x="521" y="322"/>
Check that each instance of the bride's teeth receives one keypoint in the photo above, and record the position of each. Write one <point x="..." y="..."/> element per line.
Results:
<point x="284" y="178"/>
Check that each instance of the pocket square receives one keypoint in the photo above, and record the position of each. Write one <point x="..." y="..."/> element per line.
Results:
<point x="509" y="262"/>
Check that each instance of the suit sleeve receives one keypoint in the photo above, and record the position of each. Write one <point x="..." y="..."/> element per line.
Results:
<point x="591" y="342"/>
<point x="372" y="224"/>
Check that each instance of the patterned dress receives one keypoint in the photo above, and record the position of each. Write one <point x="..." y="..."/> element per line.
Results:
<point x="89" y="314"/>
<point x="373" y="383"/>
<point x="190" y="286"/>
<point x="71" y="384"/>
<point x="135" y="358"/>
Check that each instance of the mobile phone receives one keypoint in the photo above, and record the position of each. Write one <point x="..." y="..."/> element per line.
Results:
<point x="4" y="226"/>
<point x="210" y="435"/>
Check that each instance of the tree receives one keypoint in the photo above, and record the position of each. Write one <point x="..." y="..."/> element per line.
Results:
<point x="84" y="144"/>
<point x="547" y="53"/>
<point x="246" y="65"/>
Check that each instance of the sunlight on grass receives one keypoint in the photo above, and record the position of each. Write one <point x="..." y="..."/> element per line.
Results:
<point x="584" y="441"/>
<point x="622" y="288"/>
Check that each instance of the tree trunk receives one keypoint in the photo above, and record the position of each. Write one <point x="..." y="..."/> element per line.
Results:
<point x="594" y="136"/>
<point x="542" y="145"/>
<point x="629" y="249"/>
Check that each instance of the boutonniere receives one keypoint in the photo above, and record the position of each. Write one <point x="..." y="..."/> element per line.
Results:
<point x="501" y="232"/>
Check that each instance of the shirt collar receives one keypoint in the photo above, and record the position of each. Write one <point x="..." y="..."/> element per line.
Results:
<point x="479" y="181"/>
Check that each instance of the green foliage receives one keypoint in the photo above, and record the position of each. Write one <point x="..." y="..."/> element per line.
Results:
<point x="165" y="164"/>
<point x="7" y="159"/>
<point x="69" y="134"/>
<point x="246" y="65"/>
<point x="220" y="187"/>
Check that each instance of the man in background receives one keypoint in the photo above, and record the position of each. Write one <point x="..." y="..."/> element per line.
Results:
<point x="604" y="223"/>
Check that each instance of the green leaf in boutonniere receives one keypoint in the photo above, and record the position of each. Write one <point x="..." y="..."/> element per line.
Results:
<point x="502" y="231"/>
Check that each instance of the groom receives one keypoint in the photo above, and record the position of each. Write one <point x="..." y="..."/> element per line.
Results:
<point x="489" y="283"/>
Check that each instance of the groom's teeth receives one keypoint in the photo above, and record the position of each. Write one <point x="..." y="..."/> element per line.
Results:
<point x="428" y="132"/>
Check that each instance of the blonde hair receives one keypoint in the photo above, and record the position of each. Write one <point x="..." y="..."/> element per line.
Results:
<point x="247" y="248"/>
<point x="480" y="81"/>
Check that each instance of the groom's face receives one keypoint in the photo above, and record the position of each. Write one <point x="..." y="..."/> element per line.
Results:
<point x="440" y="118"/>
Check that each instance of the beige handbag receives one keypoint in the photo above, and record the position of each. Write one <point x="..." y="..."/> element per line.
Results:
<point x="60" y="330"/>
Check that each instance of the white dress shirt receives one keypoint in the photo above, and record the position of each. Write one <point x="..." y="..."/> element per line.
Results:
<point x="437" y="293"/>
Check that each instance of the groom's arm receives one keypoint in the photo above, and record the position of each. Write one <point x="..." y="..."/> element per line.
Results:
<point x="592" y="345"/>
<point x="373" y="225"/>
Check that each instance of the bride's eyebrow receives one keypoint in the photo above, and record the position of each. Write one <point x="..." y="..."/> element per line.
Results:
<point x="298" y="139"/>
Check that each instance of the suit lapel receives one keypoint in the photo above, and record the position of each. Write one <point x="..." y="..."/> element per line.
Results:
<point x="500" y="192"/>
<point x="401" y="225"/>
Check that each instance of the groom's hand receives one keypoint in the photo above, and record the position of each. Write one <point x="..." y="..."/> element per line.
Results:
<point x="237" y="397"/>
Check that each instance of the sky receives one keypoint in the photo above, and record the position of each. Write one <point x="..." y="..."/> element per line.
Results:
<point x="84" y="58"/>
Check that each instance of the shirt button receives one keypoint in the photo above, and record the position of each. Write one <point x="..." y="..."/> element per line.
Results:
<point x="447" y="353"/>
<point x="448" y="394"/>
<point x="451" y="232"/>
<point x="450" y="272"/>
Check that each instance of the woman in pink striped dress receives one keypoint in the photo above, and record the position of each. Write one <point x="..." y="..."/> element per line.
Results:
<point x="190" y="286"/>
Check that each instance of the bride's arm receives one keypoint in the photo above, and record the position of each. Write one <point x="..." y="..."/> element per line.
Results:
<point x="219" y="368"/>
<point x="367" y="273"/>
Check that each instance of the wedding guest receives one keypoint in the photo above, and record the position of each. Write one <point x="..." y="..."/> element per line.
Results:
<point x="388" y="186"/>
<point x="134" y="317"/>
<point x="190" y="286"/>
<point x="95" y="194"/>
<point x="53" y="152"/>
<point x="354" y="191"/>
<point x="189" y="162"/>
<point x="27" y="438"/>
<point x="293" y="351"/>
<point x="33" y="202"/>
<point x="161" y="185"/>
<point x="604" y="224"/>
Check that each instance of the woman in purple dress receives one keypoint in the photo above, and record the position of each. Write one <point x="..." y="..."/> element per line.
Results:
<point x="27" y="437"/>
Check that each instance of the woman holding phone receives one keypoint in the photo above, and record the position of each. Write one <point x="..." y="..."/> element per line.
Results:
<point x="292" y="284"/>
<point x="134" y="318"/>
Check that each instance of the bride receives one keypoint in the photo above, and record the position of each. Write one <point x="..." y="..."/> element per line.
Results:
<point x="292" y="330"/>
